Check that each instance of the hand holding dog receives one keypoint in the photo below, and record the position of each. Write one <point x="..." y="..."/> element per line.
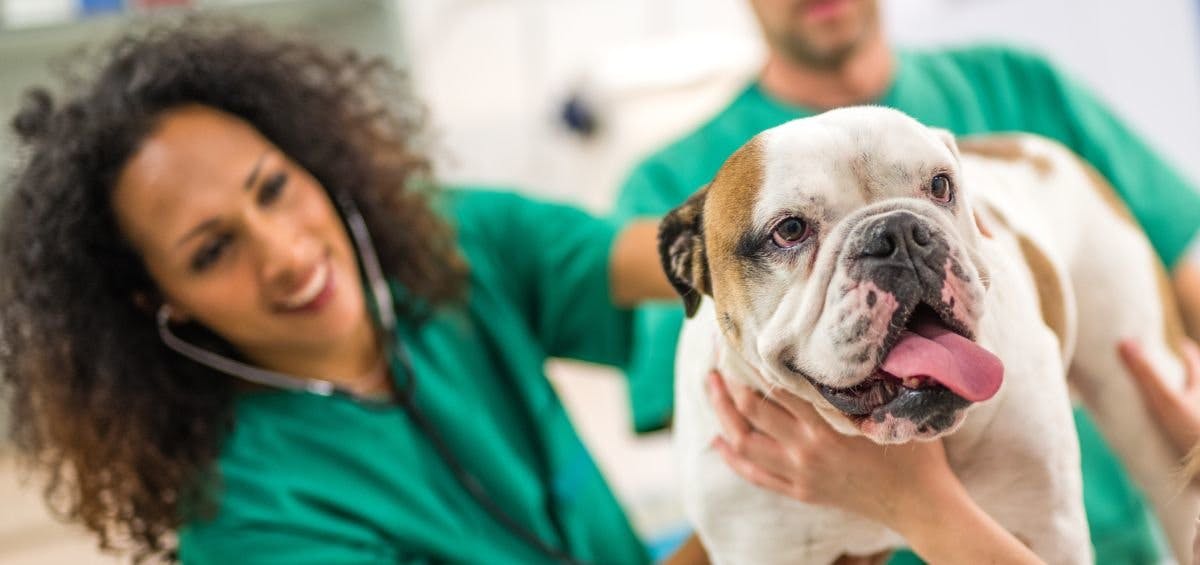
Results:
<point x="782" y="444"/>
<point x="1177" y="411"/>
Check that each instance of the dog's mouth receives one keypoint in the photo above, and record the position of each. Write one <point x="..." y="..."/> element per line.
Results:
<point x="930" y="356"/>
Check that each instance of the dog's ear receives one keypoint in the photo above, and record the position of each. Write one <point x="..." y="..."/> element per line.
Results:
<point x="681" y="248"/>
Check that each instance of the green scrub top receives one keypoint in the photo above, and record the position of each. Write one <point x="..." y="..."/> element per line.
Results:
<point x="967" y="91"/>
<point x="330" y="480"/>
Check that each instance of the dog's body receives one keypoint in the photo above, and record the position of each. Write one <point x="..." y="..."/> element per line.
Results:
<point x="820" y="239"/>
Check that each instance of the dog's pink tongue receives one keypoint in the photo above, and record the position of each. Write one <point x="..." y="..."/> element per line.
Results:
<point x="933" y="351"/>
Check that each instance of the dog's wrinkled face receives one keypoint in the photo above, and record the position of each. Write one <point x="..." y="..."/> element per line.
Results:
<point x="841" y="256"/>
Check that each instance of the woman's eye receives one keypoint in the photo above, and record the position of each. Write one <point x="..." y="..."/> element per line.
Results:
<point x="940" y="188"/>
<point x="790" y="232"/>
<point x="210" y="252"/>
<point x="272" y="188"/>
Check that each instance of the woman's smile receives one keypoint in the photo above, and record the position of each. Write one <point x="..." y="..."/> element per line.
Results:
<point x="317" y="290"/>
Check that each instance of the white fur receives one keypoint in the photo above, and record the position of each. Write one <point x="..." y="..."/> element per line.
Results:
<point x="1017" y="453"/>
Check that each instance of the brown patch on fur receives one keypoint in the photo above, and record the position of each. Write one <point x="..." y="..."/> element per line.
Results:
<point x="1049" y="289"/>
<point x="727" y="210"/>
<point x="984" y="230"/>
<point x="1173" y="320"/>
<point x="731" y="327"/>
<point x="1173" y="328"/>
<point x="1190" y="471"/>
<point x="692" y="552"/>
<point x="1004" y="147"/>
<point x="876" y="559"/>
<point x="993" y="214"/>
<point x="1108" y="194"/>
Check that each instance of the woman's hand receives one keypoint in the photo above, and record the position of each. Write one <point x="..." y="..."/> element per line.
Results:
<point x="782" y="444"/>
<point x="1177" y="411"/>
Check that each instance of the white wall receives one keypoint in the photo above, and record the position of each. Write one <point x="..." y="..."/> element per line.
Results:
<point x="28" y="54"/>
<point x="1142" y="58"/>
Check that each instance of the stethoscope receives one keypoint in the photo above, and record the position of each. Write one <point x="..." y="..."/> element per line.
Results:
<point x="386" y="323"/>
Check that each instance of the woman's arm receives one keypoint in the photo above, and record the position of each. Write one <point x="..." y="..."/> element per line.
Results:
<point x="782" y="444"/>
<point x="635" y="268"/>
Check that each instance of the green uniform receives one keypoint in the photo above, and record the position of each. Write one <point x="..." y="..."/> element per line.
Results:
<point x="967" y="91"/>
<point x="329" y="480"/>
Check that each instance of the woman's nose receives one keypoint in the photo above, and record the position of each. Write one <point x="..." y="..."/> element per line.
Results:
<point x="283" y="255"/>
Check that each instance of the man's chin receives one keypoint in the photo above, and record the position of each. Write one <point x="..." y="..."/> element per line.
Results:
<point x="828" y="55"/>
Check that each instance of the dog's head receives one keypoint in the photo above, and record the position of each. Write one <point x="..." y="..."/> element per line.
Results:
<point x="842" y="258"/>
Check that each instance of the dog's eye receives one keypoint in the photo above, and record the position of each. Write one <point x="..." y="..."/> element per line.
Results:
<point x="790" y="232"/>
<point x="941" y="189"/>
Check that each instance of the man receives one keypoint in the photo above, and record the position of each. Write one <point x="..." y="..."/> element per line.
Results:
<point x="829" y="53"/>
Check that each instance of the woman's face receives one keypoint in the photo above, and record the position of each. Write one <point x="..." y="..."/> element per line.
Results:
<point x="241" y="239"/>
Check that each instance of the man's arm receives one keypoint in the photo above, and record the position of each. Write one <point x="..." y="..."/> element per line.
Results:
<point x="1186" y="280"/>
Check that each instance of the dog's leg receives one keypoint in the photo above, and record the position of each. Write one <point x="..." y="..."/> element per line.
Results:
<point x="1114" y="401"/>
<point x="1121" y="292"/>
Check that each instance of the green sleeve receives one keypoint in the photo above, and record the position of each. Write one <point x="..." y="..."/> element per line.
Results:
<point x="1165" y="204"/>
<point x="267" y="544"/>
<point x="554" y="258"/>
<point x="651" y="191"/>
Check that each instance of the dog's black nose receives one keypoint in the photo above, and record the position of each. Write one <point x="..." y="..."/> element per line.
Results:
<point x="897" y="238"/>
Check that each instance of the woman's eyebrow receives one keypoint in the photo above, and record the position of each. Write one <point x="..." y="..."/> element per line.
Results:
<point x="254" y="172"/>
<point x="204" y="226"/>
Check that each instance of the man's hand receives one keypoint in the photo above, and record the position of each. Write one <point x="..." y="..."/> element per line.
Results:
<point x="1177" y="411"/>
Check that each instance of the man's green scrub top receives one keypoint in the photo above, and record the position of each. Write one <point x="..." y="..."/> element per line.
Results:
<point x="329" y="480"/>
<point x="968" y="91"/>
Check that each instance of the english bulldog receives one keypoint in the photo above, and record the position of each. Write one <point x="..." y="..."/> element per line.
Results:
<point x="914" y="288"/>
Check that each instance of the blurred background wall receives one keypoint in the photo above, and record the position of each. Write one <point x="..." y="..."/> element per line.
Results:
<point x="497" y="74"/>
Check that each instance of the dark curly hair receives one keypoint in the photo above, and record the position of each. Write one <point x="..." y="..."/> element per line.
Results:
<point x="126" y="431"/>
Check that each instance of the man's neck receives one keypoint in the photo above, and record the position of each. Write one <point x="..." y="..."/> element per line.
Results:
<point x="862" y="79"/>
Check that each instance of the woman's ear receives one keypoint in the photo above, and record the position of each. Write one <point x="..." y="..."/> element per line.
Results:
<point x="150" y="306"/>
<point x="143" y="303"/>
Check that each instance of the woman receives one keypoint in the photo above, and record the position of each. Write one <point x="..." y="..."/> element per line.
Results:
<point x="203" y="356"/>
<point x="184" y="238"/>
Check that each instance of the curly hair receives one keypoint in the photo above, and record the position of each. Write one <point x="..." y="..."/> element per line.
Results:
<point x="127" y="432"/>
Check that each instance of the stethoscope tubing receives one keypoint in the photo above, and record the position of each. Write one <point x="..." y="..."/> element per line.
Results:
<point x="404" y="397"/>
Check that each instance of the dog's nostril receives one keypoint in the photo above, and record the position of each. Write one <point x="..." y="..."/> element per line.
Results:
<point x="883" y="244"/>
<point x="920" y="235"/>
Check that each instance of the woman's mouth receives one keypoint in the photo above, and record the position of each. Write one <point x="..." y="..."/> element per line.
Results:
<point x="315" y="293"/>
